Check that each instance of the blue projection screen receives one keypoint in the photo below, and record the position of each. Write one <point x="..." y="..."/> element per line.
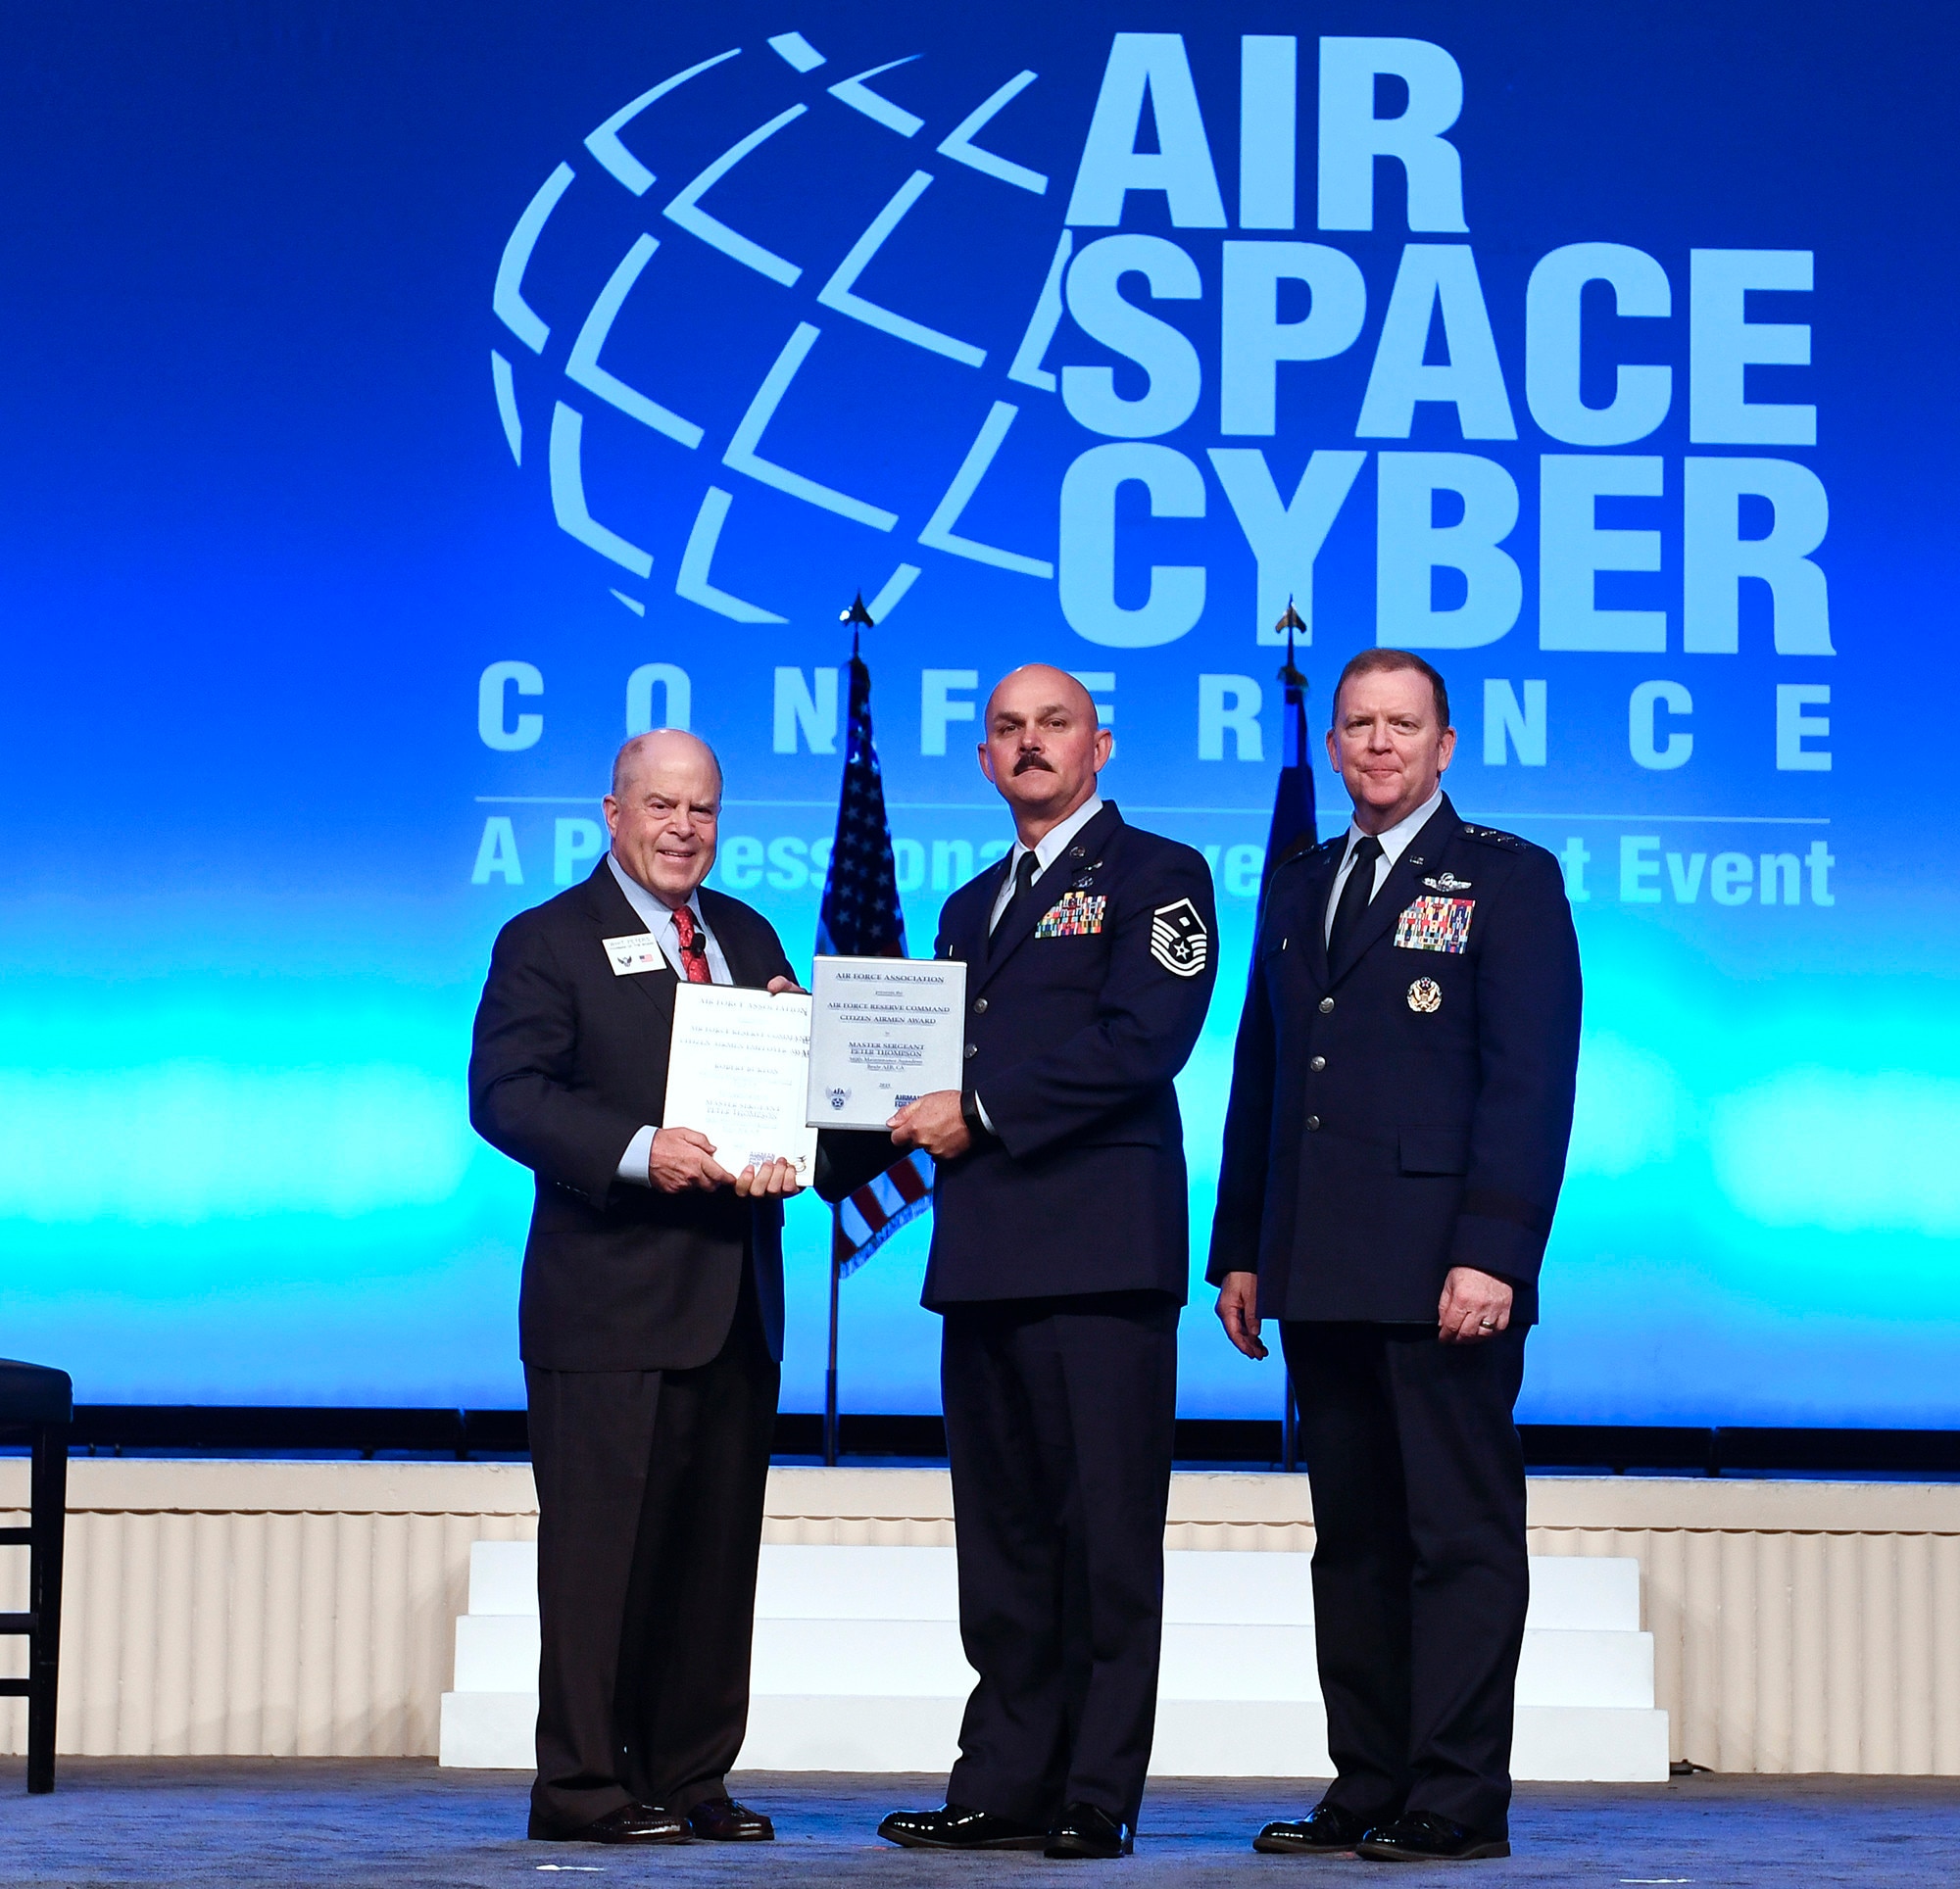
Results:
<point x="403" y="403"/>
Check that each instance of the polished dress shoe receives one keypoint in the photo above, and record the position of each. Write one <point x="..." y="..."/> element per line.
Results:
<point x="720" y="1820"/>
<point x="1422" y="1836"/>
<point x="956" y="1827"/>
<point x="629" y="1824"/>
<point x="1326" y="1830"/>
<point x="1086" y="1832"/>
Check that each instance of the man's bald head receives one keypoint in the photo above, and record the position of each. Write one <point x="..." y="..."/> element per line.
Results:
<point x="1043" y="748"/>
<point x="661" y="746"/>
<point x="1040" y="684"/>
<point x="664" y="812"/>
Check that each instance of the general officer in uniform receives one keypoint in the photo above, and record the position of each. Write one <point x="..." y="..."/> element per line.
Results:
<point x="650" y="1317"/>
<point x="1059" y="1258"/>
<point x="1402" y="1098"/>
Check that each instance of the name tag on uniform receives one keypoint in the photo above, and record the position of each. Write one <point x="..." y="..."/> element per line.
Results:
<point x="628" y="957"/>
<point x="1075" y="914"/>
<point x="1435" y="925"/>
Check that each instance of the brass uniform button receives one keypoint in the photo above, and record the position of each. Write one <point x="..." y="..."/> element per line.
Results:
<point x="1312" y="1123"/>
<point x="1326" y="1004"/>
<point x="1317" y="1064"/>
<point x="979" y="1006"/>
<point x="972" y="1051"/>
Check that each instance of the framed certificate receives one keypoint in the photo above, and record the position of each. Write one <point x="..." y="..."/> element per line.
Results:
<point x="739" y="1072"/>
<point x="883" y="1032"/>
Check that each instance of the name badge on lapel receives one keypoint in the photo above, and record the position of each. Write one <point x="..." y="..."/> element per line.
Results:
<point x="628" y="957"/>
<point x="1075" y="914"/>
<point x="1435" y="925"/>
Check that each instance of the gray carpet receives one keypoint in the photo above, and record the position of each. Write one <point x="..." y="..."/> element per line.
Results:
<point x="399" y="1822"/>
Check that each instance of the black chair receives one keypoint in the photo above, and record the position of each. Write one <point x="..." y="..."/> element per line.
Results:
<point x="38" y="1406"/>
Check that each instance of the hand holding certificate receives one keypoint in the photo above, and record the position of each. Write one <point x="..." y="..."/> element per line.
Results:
<point x="738" y="1072"/>
<point x="884" y="1031"/>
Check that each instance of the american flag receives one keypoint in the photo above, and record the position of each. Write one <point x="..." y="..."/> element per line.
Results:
<point x="867" y="1219"/>
<point x="860" y="917"/>
<point x="1293" y="798"/>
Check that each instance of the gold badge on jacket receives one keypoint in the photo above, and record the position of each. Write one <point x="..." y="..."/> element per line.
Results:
<point x="1425" y="995"/>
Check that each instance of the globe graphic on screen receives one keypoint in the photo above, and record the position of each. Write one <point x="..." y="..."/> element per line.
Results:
<point x="554" y="387"/>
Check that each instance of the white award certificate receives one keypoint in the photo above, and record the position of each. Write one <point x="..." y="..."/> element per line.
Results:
<point x="883" y="1032"/>
<point x="739" y="1072"/>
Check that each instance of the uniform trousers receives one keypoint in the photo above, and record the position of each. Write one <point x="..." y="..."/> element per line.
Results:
<point x="1059" y="1418"/>
<point x="1419" y="1572"/>
<point x="650" y="1486"/>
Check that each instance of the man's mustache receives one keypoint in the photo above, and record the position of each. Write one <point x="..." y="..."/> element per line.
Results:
<point x="1029" y="760"/>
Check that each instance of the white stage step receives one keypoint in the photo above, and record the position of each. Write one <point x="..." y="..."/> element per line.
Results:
<point x="859" y="1667"/>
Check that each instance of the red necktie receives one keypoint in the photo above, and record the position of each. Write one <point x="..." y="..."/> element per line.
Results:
<point x="693" y="952"/>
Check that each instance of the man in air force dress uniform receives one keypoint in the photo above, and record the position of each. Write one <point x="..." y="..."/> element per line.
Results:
<point x="1059" y="1256"/>
<point x="1401" y="1097"/>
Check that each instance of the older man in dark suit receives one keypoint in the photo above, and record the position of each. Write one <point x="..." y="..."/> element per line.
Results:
<point x="1402" y="1098"/>
<point x="651" y="1318"/>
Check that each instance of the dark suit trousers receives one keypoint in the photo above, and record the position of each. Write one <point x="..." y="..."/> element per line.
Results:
<point x="1058" y="1426"/>
<point x="1419" y="1574"/>
<point x="649" y="1521"/>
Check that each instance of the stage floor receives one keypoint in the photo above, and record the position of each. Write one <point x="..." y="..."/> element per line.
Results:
<point x="403" y="1821"/>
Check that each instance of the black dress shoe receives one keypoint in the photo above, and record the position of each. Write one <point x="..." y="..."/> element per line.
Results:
<point x="1422" y="1836"/>
<point x="720" y="1820"/>
<point x="1326" y="1830"/>
<point x="1086" y="1832"/>
<point x="629" y="1824"/>
<point x="958" y="1828"/>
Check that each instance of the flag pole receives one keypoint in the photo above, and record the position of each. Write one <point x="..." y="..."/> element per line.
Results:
<point x="859" y="619"/>
<point x="1296" y="685"/>
<point x="830" y="1368"/>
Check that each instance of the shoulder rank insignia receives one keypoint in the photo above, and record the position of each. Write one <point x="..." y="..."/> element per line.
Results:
<point x="1075" y="914"/>
<point x="1494" y="837"/>
<point x="1435" y="925"/>
<point x="1179" y="940"/>
<point x="1446" y="882"/>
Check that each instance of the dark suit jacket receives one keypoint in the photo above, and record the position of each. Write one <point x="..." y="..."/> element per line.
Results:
<point x="1408" y="1111"/>
<point x="1072" y="1044"/>
<point x="569" y="1063"/>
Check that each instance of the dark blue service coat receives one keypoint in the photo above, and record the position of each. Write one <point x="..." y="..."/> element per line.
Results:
<point x="1079" y="1018"/>
<point x="1408" y="1111"/>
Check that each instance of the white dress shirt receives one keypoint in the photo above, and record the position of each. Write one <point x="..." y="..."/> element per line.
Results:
<point x="659" y="919"/>
<point x="1052" y="846"/>
<point x="1054" y="843"/>
<point x="1394" y="842"/>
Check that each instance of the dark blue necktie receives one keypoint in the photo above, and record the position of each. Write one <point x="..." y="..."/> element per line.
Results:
<point x="1024" y="880"/>
<point x="1354" y="897"/>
